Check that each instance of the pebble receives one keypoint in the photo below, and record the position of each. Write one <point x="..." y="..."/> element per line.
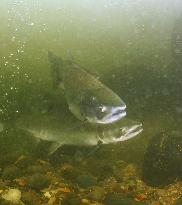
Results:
<point x="71" y="199"/>
<point x="33" y="169"/>
<point x="31" y="198"/>
<point x="24" y="161"/>
<point x="101" y="170"/>
<point x="11" y="172"/>
<point x="13" y="195"/>
<point x="69" y="172"/>
<point x="116" y="199"/>
<point x="38" y="181"/>
<point x="86" y="181"/>
<point x="97" y="193"/>
<point x="120" y="199"/>
<point x="52" y="200"/>
<point x="7" y="159"/>
<point x="5" y="202"/>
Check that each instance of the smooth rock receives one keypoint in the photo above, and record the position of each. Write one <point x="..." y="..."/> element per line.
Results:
<point x="163" y="159"/>
<point x="120" y="199"/>
<point x="69" y="172"/>
<point x="31" y="198"/>
<point x="24" y="162"/>
<point x="97" y="193"/>
<point x="11" y="172"/>
<point x="117" y="199"/>
<point x="86" y="181"/>
<point x="33" y="169"/>
<point x="71" y="199"/>
<point x="5" y="202"/>
<point x="13" y="195"/>
<point x="38" y="181"/>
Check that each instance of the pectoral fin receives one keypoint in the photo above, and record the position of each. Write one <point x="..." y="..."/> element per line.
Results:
<point x="54" y="147"/>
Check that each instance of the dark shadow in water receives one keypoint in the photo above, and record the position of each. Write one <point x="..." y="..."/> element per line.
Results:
<point x="163" y="159"/>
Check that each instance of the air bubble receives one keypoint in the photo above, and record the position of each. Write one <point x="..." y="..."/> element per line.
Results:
<point x="31" y="24"/>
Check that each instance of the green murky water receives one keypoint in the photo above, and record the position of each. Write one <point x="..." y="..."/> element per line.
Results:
<point x="128" y="44"/>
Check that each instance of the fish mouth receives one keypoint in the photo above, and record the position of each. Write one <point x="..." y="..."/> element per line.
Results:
<point x="129" y="132"/>
<point x="116" y="114"/>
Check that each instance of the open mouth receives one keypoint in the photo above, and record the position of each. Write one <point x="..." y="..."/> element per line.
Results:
<point x="130" y="132"/>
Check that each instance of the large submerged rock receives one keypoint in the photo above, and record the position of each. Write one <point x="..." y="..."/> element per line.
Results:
<point x="163" y="159"/>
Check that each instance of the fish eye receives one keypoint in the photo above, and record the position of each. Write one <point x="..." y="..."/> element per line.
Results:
<point x="123" y="130"/>
<point x="102" y="108"/>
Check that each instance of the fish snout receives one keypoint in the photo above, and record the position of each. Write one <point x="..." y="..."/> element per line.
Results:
<point x="119" y="111"/>
<point x="129" y="132"/>
<point x="112" y="114"/>
<point x="115" y="114"/>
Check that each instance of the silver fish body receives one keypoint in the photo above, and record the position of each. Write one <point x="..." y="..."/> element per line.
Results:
<point x="55" y="129"/>
<point x="88" y="99"/>
<point x="100" y="113"/>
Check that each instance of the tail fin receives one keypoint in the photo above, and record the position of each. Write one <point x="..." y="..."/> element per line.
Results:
<point x="55" y="63"/>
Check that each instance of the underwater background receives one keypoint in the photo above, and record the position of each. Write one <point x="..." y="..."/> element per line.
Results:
<point x="135" y="47"/>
